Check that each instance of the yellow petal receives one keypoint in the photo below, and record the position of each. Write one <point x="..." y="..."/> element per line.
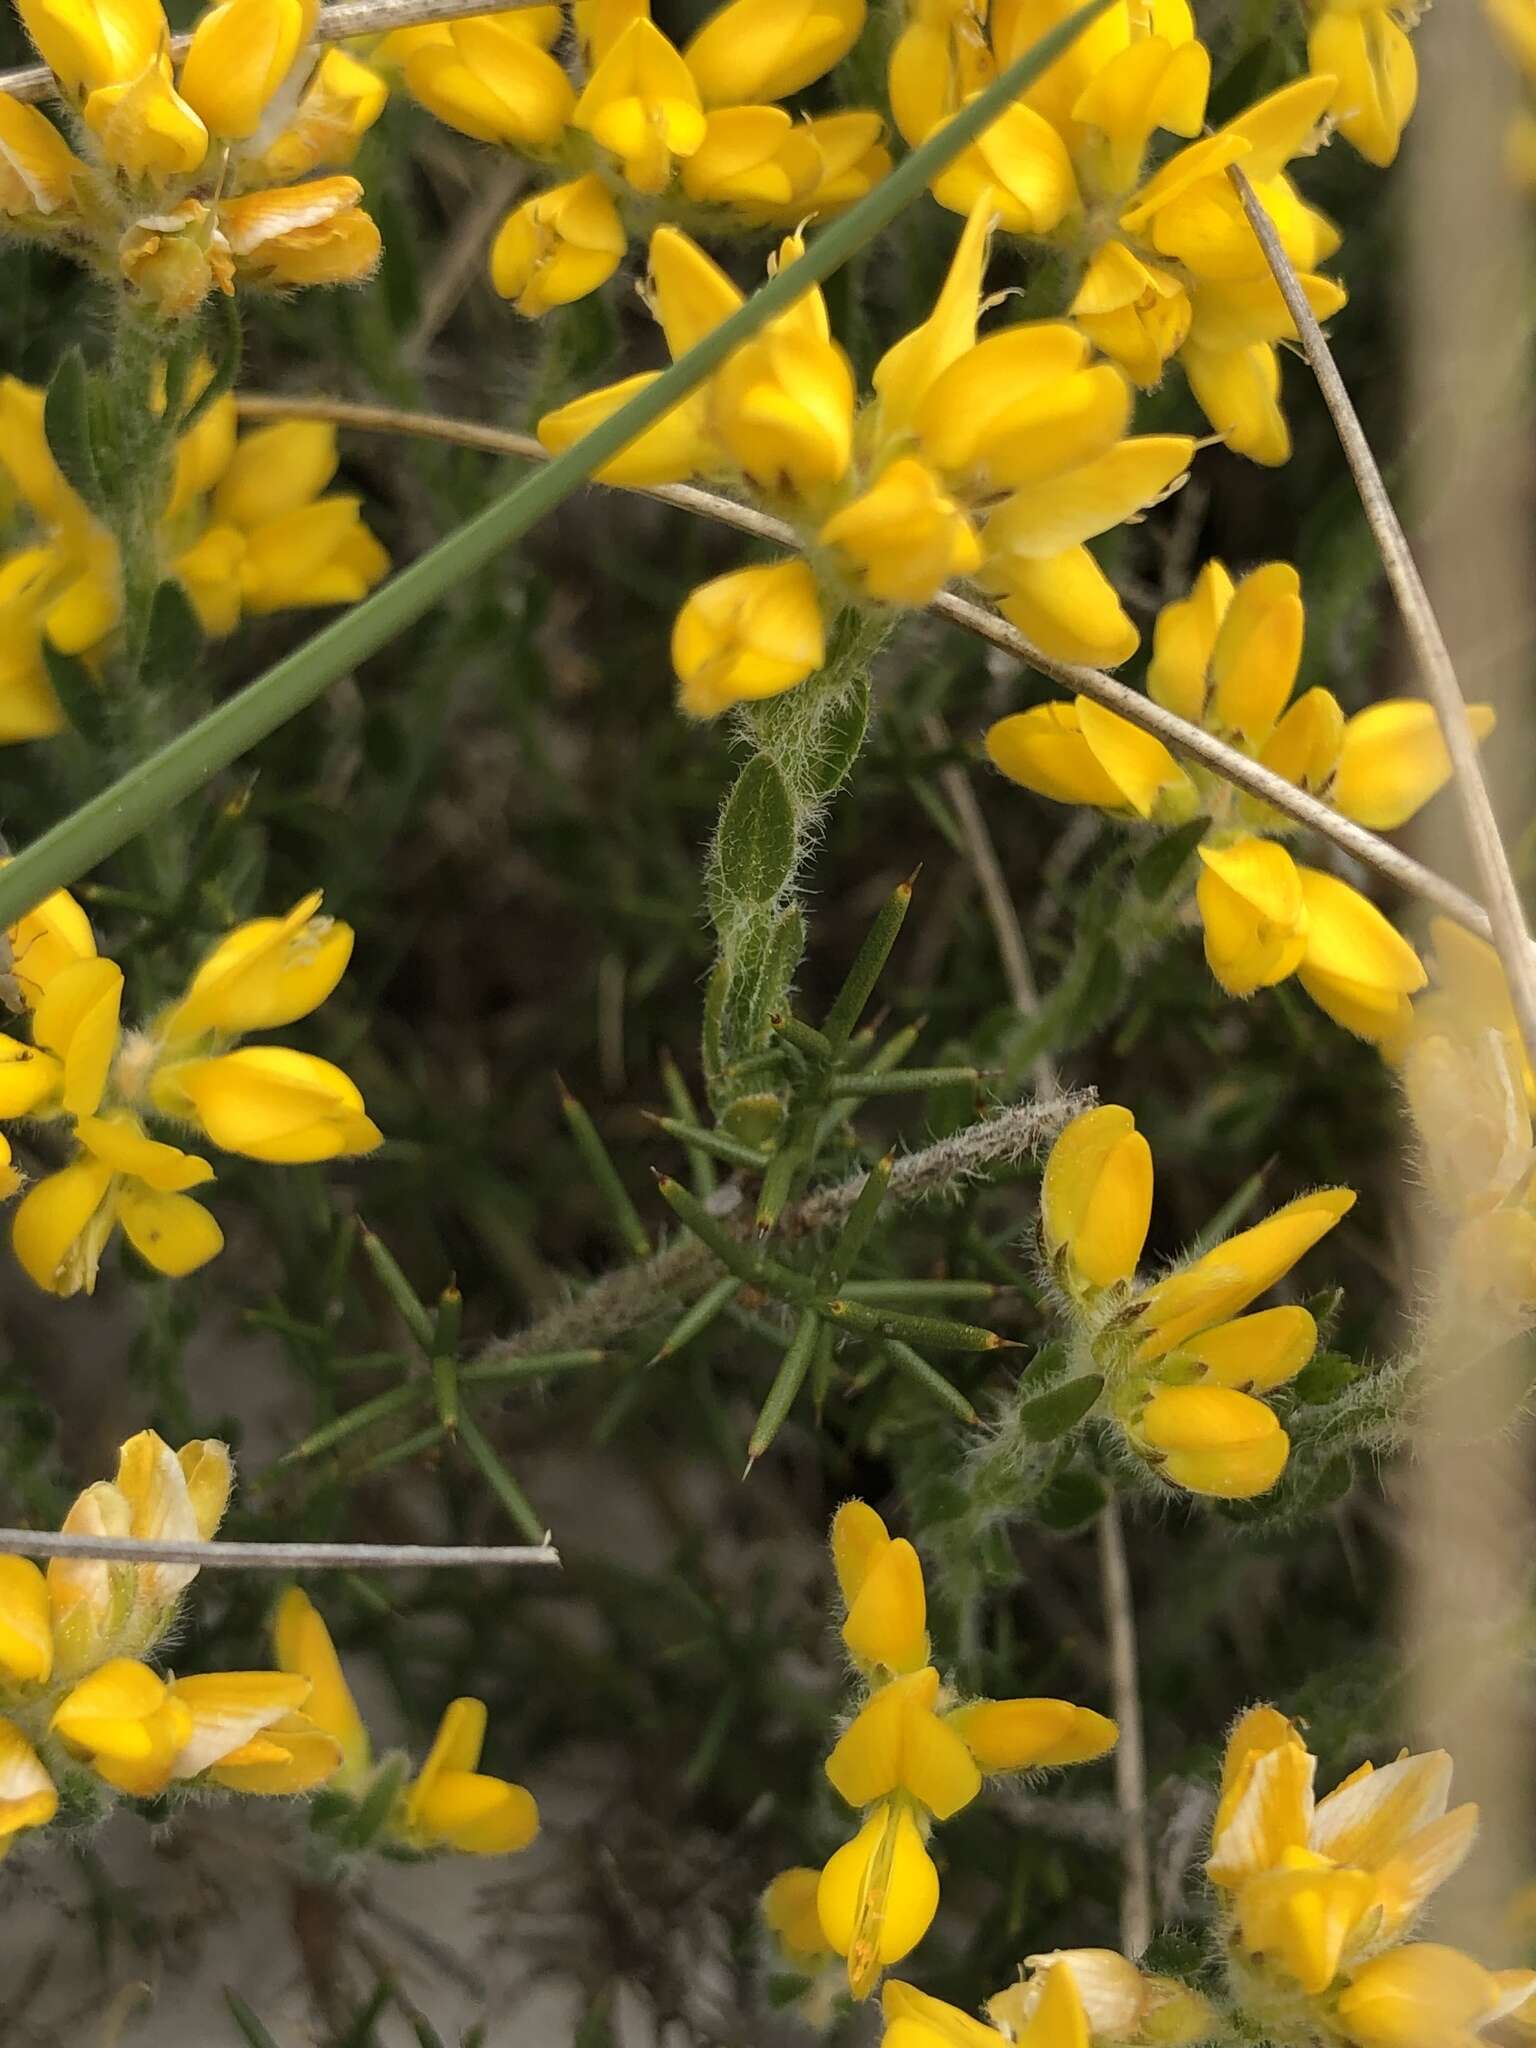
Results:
<point x="878" y="1895"/>
<point x="1044" y="750"/>
<point x="749" y="634"/>
<point x="54" y="935"/>
<point x="859" y="1539"/>
<point x="1421" y="1996"/>
<point x="28" y="1077"/>
<point x="1258" y="650"/>
<point x="1257" y="1352"/>
<point x="241" y="53"/>
<point x="1215" y="1441"/>
<point x="76" y="1020"/>
<point x="556" y="248"/>
<point x="1304" y="746"/>
<point x="1140" y="766"/>
<point x="789" y="1910"/>
<point x="1047" y="518"/>
<point x="27" y="1795"/>
<point x="914" y="2020"/>
<point x="1302" y="1921"/>
<point x="226" y="1709"/>
<point x="1096" y="1197"/>
<point x="887" y="1621"/>
<point x="1236" y="1271"/>
<point x="303" y="1644"/>
<point x="1183" y="643"/>
<point x="26" y="1623"/>
<point x="1238" y="390"/>
<point x="904" y="537"/>
<point x="290" y="1756"/>
<point x="1368" y="55"/>
<point x="1065" y="605"/>
<point x="1254" y="913"/>
<point x="1028" y="1735"/>
<point x="1393" y="759"/>
<point x="61" y="1225"/>
<point x="172" y="1233"/>
<point x="690" y="294"/>
<point x="752" y="50"/>
<point x="121" y="1142"/>
<point x="1347" y="936"/>
<point x="1375" y="1813"/>
<point x="275" y="1104"/>
<point x="476" y="1814"/>
<point x="907" y="371"/>
<point x="676" y="446"/>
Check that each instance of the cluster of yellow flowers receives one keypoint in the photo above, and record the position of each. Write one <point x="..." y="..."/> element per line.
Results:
<point x="913" y="1754"/>
<point x="1182" y="1367"/>
<point x="1167" y="265"/>
<point x="998" y="458"/>
<point x="82" y="1709"/>
<point x="191" y="177"/>
<point x="645" y="123"/>
<point x="1318" y="1896"/>
<point x="1316" y="1900"/>
<point x="81" y="1070"/>
<point x="1226" y="658"/>
<point x="249" y="527"/>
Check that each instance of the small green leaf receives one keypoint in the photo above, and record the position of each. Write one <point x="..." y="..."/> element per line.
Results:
<point x="1071" y="1500"/>
<point x="1051" y="1415"/>
<point x="1325" y="1378"/>
<point x="1159" y="868"/>
<point x="67" y="424"/>
<point x="755" y="847"/>
<point x="174" y="642"/>
<point x="841" y="739"/>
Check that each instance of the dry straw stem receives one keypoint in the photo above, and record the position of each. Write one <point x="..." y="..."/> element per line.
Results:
<point x="1505" y="914"/>
<point x="1130" y="1750"/>
<point x="631" y="1295"/>
<point x="336" y="25"/>
<point x="278" y="1557"/>
<point x="1388" y="861"/>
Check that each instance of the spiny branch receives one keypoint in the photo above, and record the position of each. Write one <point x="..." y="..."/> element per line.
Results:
<point x="1388" y="861"/>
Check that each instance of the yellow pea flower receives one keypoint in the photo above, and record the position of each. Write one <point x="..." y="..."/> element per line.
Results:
<point x="452" y="1804"/>
<point x="558" y="246"/>
<point x="1096" y="1198"/>
<point x="751" y="50"/>
<point x="1031" y="1735"/>
<point x="1111" y="2000"/>
<point x="1046" y="517"/>
<point x="1367" y="54"/>
<point x="905" y="537"/>
<point x="1211" y="1440"/>
<point x="304" y="1647"/>
<point x="1137" y="313"/>
<point x="62" y="1224"/>
<point x="1046" y="750"/>
<point x="88" y="44"/>
<point x="789" y="1912"/>
<point x="1258" y="651"/>
<point x="1234" y="1273"/>
<point x="140" y="1732"/>
<point x="755" y="159"/>
<point x="267" y="972"/>
<point x="881" y="1581"/>
<point x="38" y="169"/>
<point x="336" y="109"/>
<point x="1254" y="912"/>
<point x="1256" y="1353"/>
<point x="1021" y="406"/>
<point x="29" y="707"/>
<point x="1238" y="390"/>
<point x="676" y="446"/>
<point x="1355" y="966"/>
<point x="492" y="81"/>
<point x="915" y="2020"/>
<point x="877" y="1896"/>
<point x="144" y="126"/>
<point x="750" y="634"/>
<point x="268" y="1102"/>
<point x="899" y="1744"/>
<point x="57" y="934"/>
<point x="782" y="405"/>
<point x="851" y="159"/>
<point x="26" y="1623"/>
<point x="314" y="233"/>
<point x="1392" y="760"/>
<point x="642" y="105"/>
<point x="1183" y="642"/>
<point x="28" y="1798"/>
<point x="241" y="53"/>
<point x="1425" y="1995"/>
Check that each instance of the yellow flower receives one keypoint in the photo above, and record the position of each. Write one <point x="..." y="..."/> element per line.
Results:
<point x="789" y="1912"/>
<point x="315" y="233"/>
<point x="92" y="43"/>
<point x="27" y="1795"/>
<point x="558" y="246"/>
<point x="914" y="2020"/>
<point x="1227" y="655"/>
<point x="750" y="634"/>
<point x="1066" y="606"/>
<point x="488" y="78"/>
<point x="904" y="537"/>
<point x="1136" y="312"/>
<point x="881" y="1581"/>
<point x="1367" y="54"/>
<point x="782" y="405"/>
<point x="642" y="105"/>
<point x="274" y="538"/>
<point x="909" y="369"/>
<point x="38" y="169"/>
<point x="140" y="1732"/>
<point x="1078" y="1994"/>
<point x="265" y="973"/>
<point x="877" y="1896"/>
<point x="756" y="159"/>
<point x="271" y="1103"/>
<point x="1254" y="913"/>
<point x="673" y="447"/>
<point x="1426" y="1995"/>
<point x="1392" y="760"/>
<point x="899" y="1744"/>
<point x="242" y="52"/>
<point x="1096" y="1198"/>
<point x="304" y="1647"/>
<point x="1045" y="749"/>
<point x="452" y="1804"/>
<point x="766" y="49"/>
<point x="62" y="1224"/>
<point x="144" y="126"/>
<point x="1211" y="1440"/>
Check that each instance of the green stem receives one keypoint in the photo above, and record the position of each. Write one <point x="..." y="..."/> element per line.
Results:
<point x="99" y="827"/>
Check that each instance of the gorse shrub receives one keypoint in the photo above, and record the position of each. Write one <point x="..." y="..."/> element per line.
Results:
<point x="979" y="377"/>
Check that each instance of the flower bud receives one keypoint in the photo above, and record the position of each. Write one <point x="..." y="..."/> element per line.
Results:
<point x="882" y="1586"/>
<point x="1096" y="1197"/>
<point x="1213" y="1441"/>
<point x="267" y="972"/>
<point x="789" y="1911"/>
<point x="452" y="1804"/>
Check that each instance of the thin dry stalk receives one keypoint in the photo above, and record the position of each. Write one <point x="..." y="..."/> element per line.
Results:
<point x="278" y="1557"/>
<point x="337" y="24"/>
<point x="1373" y="852"/>
<point x="1130" y="1750"/>
<point x="1431" y="655"/>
